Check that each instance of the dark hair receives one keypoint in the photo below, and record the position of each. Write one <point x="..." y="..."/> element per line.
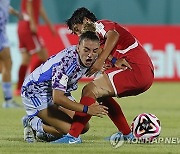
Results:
<point x="88" y="35"/>
<point x="79" y="15"/>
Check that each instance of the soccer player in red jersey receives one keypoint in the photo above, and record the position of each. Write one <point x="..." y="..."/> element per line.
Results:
<point x="29" y="40"/>
<point x="117" y="43"/>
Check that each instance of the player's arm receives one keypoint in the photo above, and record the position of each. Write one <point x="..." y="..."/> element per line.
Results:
<point x="60" y="99"/>
<point x="46" y="20"/>
<point x="15" y="12"/>
<point x="112" y="37"/>
<point x="30" y="12"/>
<point x="119" y="63"/>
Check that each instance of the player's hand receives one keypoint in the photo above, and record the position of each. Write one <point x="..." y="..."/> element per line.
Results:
<point x="122" y="64"/>
<point x="97" y="110"/>
<point x="96" y="67"/>
<point x="33" y="28"/>
<point x="20" y="16"/>
<point x="105" y="67"/>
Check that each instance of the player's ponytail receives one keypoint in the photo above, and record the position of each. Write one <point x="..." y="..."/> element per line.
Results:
<point x="89" y="26"/>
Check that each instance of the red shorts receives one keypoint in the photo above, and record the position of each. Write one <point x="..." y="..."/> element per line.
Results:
<point x="32" y="43"/>
<point x="131" y="82"/>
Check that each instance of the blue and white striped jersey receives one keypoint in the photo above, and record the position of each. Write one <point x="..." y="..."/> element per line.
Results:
<point x="61" y="71"/>
<point x="4" y="13"/>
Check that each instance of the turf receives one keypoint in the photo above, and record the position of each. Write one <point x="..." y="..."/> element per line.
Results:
<point x="162" y="99"/>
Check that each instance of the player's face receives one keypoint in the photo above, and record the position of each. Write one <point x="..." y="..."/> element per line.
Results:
<point x="88" y="51"/>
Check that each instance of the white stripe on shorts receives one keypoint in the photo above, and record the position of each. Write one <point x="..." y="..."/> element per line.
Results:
<point x="111" y="75"/>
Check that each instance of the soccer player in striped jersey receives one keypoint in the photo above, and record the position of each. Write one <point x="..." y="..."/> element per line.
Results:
<point x="117" y="44"/>
<point x="49" y="86"/>
<point x="5" y="57"/>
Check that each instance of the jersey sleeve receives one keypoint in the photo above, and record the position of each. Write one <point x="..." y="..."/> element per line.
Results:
<point x="59" y="78"/>
<point x="102" y="27"/>
<point x="60" y="73"/>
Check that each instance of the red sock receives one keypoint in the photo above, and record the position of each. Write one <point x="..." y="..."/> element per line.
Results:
<point x="35" y="65"/>
<point x="80" y="119"/>
<point x="22" y="74"/>
<point x="116" y="115"/>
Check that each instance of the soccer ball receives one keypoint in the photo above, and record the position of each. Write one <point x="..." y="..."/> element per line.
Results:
<point x="146" y="127"/>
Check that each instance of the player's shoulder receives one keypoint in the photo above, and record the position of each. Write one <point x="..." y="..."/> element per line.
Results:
<point x="69" y="54"/>
<point x="105" y="21"/>
<point x="71" y="50"/>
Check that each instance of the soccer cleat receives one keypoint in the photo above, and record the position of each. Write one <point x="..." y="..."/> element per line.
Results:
<point x="29" y="135"/>
<point x="129" y="137"/>
<point x="117" y="136"/>
<point x="11" y="104"/>
<point x="68" y="139"/>
<point x="45" y="137"/>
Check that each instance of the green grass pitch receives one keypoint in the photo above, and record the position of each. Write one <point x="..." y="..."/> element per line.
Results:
<point x="162" y="99"/>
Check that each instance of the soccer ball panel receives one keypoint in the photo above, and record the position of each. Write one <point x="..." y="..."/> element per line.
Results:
<point x="146" y="126"/>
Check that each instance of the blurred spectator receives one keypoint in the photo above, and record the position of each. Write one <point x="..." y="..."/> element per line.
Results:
<point x="5" y="57"/>
<point x="29" y="40"/>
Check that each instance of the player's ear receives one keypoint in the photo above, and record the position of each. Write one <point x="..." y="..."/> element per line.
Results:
<point x="78" y="47"/>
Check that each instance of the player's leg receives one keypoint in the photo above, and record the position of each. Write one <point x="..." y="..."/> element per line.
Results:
<point x="42" y="55"/>
<point x="27" y="47"/>
<point x="52" y="120"/>
<point x="0" y="67"/>
<point x="26" y="57"/>
<point x="129" y="83"/>
<point x="89" y="94"/>
<point x="41" y="52"/>
<point x="6" y="62"/>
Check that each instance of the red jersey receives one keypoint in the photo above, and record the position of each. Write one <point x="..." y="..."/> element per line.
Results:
<point x="36" y="9"/>
<point x="127" y="46"/>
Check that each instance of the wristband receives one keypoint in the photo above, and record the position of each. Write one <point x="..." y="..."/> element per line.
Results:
<point x="85" y="109"/>
<point x="113" y="61"/>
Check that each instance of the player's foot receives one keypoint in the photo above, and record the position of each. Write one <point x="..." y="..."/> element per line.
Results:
<point x="17" y="92"/>
<point x="45" y="137"/>
<point x="117" y="136"/>
<point x="68" y="139"/>
<point x="11" y="104"/>
<point x="29" y="134"/>
<point x="129" y="137"/>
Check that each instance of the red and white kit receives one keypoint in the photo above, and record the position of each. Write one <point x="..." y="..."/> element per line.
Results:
<point x="29" y="41"/>
<point x="127" y="82"/>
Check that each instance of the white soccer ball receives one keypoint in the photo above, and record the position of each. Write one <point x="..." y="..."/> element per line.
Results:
<point x="146" y="127"/>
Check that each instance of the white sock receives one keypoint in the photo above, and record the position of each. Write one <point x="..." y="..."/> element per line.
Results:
<point x="7" y="90"/>
<point x="36" y="124"/>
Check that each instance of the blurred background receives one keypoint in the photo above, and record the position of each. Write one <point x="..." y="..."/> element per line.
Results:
<point x="123" y="11"/>
<point x="154" y="23"/>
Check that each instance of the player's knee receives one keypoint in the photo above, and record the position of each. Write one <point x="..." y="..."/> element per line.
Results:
<point x="88" y="90"/>
<point x="7" y="64"/>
